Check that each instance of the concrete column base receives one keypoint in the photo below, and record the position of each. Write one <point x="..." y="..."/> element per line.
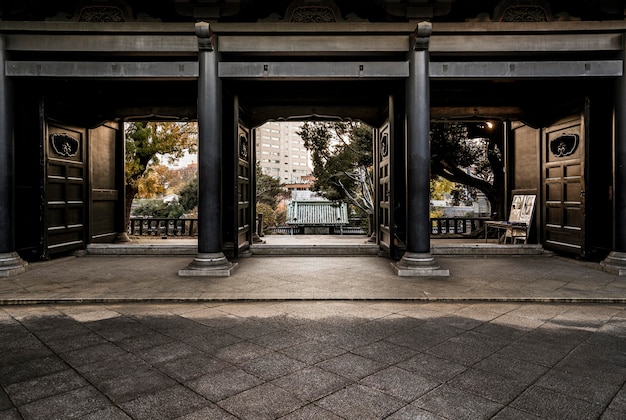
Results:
<point x="414" y="264"/>
<point x="11" y="264"/>
<point x="615" y="263"/>
<point x="122" y="237"/>
<point x="209" y="265"/>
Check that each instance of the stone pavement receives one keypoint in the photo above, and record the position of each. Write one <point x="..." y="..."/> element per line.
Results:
<point x="154" y="278"/>
<point x="313" y="360"/>
<point x="118" y="337"/>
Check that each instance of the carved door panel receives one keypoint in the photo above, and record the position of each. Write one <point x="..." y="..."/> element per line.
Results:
<point x="564" y="187"/>
<point x="244" y="169"/>
<point x="385" y="206"/>
<point x="64" y="194"/>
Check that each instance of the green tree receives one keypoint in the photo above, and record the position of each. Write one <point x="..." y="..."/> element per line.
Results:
<point x="147" y="143"/>
<point x="470" y="154"/>
<point x="188" y="195"/>
<point x="269" y="190"/>
<point x="158" y="208"/>
<point x="342" y="160"/>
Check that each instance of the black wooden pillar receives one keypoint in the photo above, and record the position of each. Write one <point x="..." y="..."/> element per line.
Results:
<point x="10" y="262"/>
<point x="616" y="260"/>
<point x="210" y="260"/>
<point x="417" y="260"/>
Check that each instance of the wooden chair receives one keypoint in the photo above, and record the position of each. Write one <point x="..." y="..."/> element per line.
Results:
<point x="517" y="228"/>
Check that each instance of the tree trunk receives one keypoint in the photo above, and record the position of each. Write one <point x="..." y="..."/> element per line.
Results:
<point x="131" y="192"/>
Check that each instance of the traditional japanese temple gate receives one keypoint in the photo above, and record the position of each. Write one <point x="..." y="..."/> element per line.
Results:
<point x="66" y="88"/>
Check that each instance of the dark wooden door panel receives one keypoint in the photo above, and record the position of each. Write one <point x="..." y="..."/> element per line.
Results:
<point x="564" y="188"/>
<point x="65" y="189"/>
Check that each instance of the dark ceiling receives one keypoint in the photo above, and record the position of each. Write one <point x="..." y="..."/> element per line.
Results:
<point x="254" y="10"/>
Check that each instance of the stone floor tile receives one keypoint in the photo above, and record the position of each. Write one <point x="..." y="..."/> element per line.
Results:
<point x="277" y="340"/>
<point x="223" y="384"/>
<point x="10" y="414"/>
<point x="91" y="354"/>
<point x="520" y="370"/>
<point x="193" y="366"/>
<point x="210" y="342"/>
<point x="509" y="413"/>
<point x="417" y="340"/>
<point x="311" y="412"/>
<point x="351" y="366"/>
<point x="212" y="412"/>
<point x="103" y="370"/>
<point x="549" y="404"/>
<point x="455" y="403"/>
<point x="385" y="352"/>
<point x="272" y="365"/>
<point x="240" y="352"/>
<point x="5" y="402"/>
<point x="412" y="412"/>
<point x="619" y="400"/>
<point x="29" y="369"/>
<point x="360" y="403"/>
<point x="266" y="401"/>
<point x="138" y="342"/>
<point x="45" y="386"/>
<point x="312" y="352"/>
<point x="71" y="404"/>
<point x="250" y="329"/>
<point x="537" y="354"/>
<point x="128" y="387"/>
<point x="581" y="387"/>
<point x="465" y="352"/>
<point x="109" y="413"/>
<point x="312" y="383"/>
<point x="489" y="385"/>
<point x="590" y="362"/>
<point x="400" y="383"/>
<point x="611" y="414"/>
<point x="167" y="403"/>
<point x="431" y="366"/>
<point x="166" y="352"/>
<point x="64" y="345"/>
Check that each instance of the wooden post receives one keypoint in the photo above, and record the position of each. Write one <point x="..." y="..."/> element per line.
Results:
<point x="10" y="261"/>
<point x="210" y="260"/>
<point x="417" y="260"/>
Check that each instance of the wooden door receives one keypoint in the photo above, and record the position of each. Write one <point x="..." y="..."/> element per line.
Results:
<point x="64" y="193"/>
<point x="244" y="169"/>
<point x="564" y="187"/>
<point x="384" y="151"/>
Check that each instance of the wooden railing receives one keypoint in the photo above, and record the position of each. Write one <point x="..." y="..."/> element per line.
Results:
<point x="162" y="227"/>
<point x="440" y="226"/>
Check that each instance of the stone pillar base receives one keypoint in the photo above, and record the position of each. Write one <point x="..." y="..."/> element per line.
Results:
<point x="209" y="265"/>
<point x="122" y="237"/>
<point x="615" y="263"/>
<point x="11" y="264"/>
<point x="418" y="265"/>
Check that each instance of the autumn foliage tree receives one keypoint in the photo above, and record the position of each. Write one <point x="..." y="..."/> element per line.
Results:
<point x="147" y="143"/>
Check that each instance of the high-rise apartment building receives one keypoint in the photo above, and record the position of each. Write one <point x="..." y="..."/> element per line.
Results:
<point x="281" y="153"/>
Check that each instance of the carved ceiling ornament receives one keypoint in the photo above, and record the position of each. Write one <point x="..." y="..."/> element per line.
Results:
<point x="523" y="11"/>
<point x="103" y="11"/>
<point x="310" y="11"/>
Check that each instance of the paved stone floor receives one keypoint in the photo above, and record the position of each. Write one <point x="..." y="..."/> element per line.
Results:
<point x="368" y="359"/>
